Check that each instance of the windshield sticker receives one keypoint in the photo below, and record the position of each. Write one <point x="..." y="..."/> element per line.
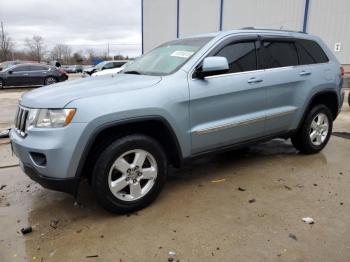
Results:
<point x="183" y="54"/>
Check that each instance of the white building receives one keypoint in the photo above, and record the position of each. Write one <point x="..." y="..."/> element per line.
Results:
<point x="164" y="20"/>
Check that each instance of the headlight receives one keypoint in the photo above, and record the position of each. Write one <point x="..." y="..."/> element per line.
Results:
<point x="50" y="118"/>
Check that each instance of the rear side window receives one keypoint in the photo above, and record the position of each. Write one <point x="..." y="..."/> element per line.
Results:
<point x="310" y="52"/>
<point x="279" y="54"/>
<point x="118" y="64"/>
<point x="240" y="56"/>
<point x="37" y="68"/>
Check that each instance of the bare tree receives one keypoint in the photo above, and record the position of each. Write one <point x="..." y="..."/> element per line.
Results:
<point x="6" y="45"/>
<point x="61" y="53"/>
<point x="36" y="46"/>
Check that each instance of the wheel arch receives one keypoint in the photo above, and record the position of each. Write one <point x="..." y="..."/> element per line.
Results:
<point x="327" y="97"/>
<point x="155" y="126"/>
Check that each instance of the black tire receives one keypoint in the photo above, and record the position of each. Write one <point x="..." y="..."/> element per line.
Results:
<point x="302" y="141"/>
<point x="104" y="164"/>
<point x="49" y="80"/>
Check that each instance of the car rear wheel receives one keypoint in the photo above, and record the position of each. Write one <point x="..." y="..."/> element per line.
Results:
<point x="130" y="173"/>
<point x="50" y="80"/>
<point x="315" y="131"/>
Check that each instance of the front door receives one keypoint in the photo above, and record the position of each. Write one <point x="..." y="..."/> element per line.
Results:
<point x="228" y="108"/>
<point x="18" y="76"/>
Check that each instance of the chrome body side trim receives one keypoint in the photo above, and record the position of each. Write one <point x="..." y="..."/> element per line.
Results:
<point x="242" y="123"/>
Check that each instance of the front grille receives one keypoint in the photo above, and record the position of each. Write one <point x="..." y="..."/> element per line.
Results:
<point x="20" y="120"/>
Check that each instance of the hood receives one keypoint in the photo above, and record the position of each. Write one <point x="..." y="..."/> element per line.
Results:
<point x="59" y="95"/>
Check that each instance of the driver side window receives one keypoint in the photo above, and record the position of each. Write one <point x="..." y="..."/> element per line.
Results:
<point x="240" y="56"/>
<point x="20" y="68"/>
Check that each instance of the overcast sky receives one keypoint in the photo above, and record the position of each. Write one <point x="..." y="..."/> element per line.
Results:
<point x="82" y="24"/>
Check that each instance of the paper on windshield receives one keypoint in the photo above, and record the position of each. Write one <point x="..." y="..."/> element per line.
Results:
<point x="183" y="54"/>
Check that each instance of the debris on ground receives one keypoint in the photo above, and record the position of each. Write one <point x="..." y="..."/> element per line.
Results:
<point x="308" y="220"/>
<point x="2" y="187"/>
<point x="341" y="203"/>
<point x="315" y="184"/>
<point x="292" y="236"/>
<point x="26" y="230"/>
<point x="241" y="189"/>
<point x="287" y="187"/>
<point x="219" y="180"/>
<point x="5" y="133"/>
<point x="54" y="223"/>
<point x="171" y="256"/>
<point x="132" y="214"/>
<point x="92" y="256"/>
<point x="252" y="201"/>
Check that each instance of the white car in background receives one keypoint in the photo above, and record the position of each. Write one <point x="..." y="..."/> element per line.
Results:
<point x="111" y="71"/>
<point x="108" y="71"/>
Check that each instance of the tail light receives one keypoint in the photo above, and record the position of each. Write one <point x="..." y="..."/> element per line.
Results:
<point x="62" y="71"/>
<point x="342" y="72"/>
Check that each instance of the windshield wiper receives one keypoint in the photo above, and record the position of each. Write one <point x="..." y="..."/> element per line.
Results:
<point x="133" y="72"/>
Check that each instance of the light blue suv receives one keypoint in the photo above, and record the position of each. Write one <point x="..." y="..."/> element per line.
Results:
<point x="184" y="99"/>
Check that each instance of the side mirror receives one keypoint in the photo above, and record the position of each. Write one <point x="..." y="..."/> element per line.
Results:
<point x="214" y="65"/>
<point x="10" y="72"/>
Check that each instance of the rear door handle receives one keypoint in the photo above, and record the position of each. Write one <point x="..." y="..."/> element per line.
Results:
<point x="305" y="73"/>
<point x="254" y="80"/>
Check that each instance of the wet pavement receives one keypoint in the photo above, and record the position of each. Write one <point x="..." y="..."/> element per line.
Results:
<point x="237" y="206"/>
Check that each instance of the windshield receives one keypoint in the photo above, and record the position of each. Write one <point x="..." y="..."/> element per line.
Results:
<point x="167" y="58"/>
<point x="6" y="66"/>
<point x="100" y="65"/>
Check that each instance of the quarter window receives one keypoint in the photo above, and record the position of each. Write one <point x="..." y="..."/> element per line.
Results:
<point x="310" y="52"/>
<point x="240" y="56"/>
<point x="279" y="54"/>
<point x="37" y="68"/>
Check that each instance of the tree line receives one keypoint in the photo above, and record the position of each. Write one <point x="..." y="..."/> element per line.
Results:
<point x="36" y="50"/>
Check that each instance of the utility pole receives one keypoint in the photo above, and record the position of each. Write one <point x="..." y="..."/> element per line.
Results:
<point x="2" y="35"/>
<point x="2" y="55"/>
<point x="108" y="50"/>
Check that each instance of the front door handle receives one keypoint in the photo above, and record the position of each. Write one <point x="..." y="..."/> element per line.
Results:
<point x="254" y="80"/>
<point x="305" y="73"/>
<point x="25" y="74"/>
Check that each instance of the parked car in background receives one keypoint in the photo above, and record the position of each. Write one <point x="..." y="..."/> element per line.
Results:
<point x="73" y="68"/>
<point x="103" y="66"/>
<point x="31" y="75"/>
<point x="111" y="71"/>
<point x="184" y="99"/>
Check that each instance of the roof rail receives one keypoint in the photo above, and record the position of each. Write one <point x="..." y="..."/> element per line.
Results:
<point x="270" y="29"/>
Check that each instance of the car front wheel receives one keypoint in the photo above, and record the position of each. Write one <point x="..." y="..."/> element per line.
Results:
<point x="315" y="131"/>
<point x="130" y="173"/>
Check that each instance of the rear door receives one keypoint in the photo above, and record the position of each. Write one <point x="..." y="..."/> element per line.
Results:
<point x="37" y="74"/>
<point x="284" y="81"/>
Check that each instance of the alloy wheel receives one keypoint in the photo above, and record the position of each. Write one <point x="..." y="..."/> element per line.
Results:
<point x="132" y="175"/>
<point x="319" y="129"/>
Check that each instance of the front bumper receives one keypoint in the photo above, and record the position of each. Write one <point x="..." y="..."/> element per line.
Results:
<point x="67" y="185"/>
<point x="63" y="77"/>
<point x="50" y="156"/>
